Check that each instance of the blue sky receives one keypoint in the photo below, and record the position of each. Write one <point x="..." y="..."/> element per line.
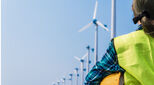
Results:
<point x="40" y="37"/>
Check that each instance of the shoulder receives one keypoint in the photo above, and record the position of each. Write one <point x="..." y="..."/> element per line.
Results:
<point x="129" y="36"/>
<point x="139" y="30"/>
<point x="125" y="41"/>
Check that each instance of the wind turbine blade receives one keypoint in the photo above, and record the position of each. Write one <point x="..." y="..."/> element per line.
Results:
<point x="85" y="56"/>
<point x="77" y="58"/>
<point x="85" y="27"/>
<point x="100" y="24"/>
<point x="95" y="10"/>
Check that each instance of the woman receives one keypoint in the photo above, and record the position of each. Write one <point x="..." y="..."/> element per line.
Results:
<point x="131" y="54"/>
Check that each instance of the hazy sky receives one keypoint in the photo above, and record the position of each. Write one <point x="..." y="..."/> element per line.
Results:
<point x="40" y="37"/>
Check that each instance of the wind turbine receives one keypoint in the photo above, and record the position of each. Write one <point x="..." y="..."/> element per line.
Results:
<point x="77" y="75"/>
<point x="81" y="60"/>
<point x="53" y="83"/>
<point x="88" y="58"/>
<point x="71" y="78"/>
<point x="58" y="82"/>
<point x="96" y="23"/>
<point x="63" y="80"/>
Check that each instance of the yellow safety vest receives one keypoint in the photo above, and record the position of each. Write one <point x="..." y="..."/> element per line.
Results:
<point x="135" y="53"/>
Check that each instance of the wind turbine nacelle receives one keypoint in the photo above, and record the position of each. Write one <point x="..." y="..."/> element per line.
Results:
<point x="84" y="69"/>
<point x="105" y="25"/>
<point x="88" y="47"/>
<point x="89" y="62"/>
<point x="77" y="75"/>
<point x="92" y="49"/>
<point x="71" y="74"/>
<point x="58" y="82"/>
<point x="94" y="21"/>
<point x="82" y="60"/>
<point x="76" y="69"/>
<point x="64" y="79"/>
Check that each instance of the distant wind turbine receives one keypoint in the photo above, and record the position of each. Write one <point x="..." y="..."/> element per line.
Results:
<point x="77" y="75"/>
<point x="88" y="58"/>
<point x="71" y="78"/>
<point x="63" y="80"/>
<point x="81" y="60"/>
<point x="53" y="83"/>
<point x="96" y="23"/>
<point x="58" y="82"/>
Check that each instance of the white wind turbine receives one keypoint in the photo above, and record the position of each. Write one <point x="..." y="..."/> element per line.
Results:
<point x="96" y="23"/>
<point x="53" y="83"/>
<point x="63" y="80"/>
<point x="77" y="75"/>
<point x="81" y="60"/>
<point x="71" y="78"/>
<point x="88" y="59"/>
<point x="58" y="82"/>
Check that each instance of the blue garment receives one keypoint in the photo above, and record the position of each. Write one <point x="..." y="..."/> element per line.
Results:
<point x="108" y="65"/>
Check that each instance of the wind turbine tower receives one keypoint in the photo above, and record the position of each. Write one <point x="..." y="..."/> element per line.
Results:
<point x="96" y="23"/>
<point x="88" y="59"/>
<point x="63" y="80"/>
<point x="71" y="78"/>
<point x="81" y="60"/>
<point x="113" y="19"/>
<point x="58" y="82"/>
<point x="77" y="75"/>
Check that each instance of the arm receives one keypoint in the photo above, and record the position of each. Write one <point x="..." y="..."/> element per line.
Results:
<point x="108" y="64"/>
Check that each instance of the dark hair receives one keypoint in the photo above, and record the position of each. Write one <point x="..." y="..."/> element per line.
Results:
<point x="145" y="5"/>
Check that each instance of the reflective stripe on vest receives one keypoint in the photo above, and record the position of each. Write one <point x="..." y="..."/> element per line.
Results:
<point x="135" y="53"/>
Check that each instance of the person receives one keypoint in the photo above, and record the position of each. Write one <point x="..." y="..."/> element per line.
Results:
<point x="131" y="54"/>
